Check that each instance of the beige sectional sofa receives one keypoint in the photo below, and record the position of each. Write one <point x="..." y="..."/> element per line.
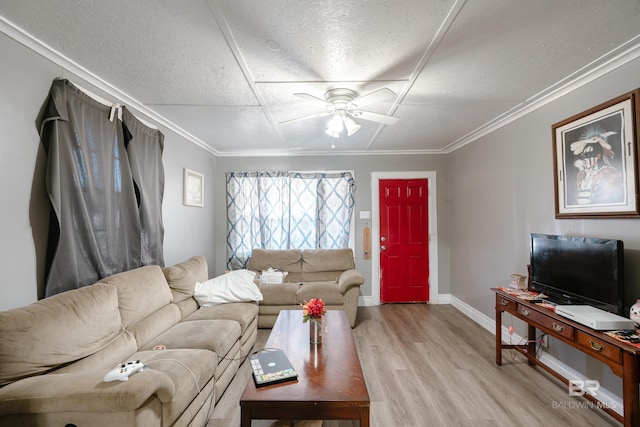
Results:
<point x="55" y="353"/>
<point x="329" y="274"/>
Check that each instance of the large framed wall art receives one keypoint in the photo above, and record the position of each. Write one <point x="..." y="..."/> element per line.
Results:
<point x="596" y="161"/>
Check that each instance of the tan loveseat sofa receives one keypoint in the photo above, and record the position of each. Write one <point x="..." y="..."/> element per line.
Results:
<point x="55" y="353"/>
<point x="329" y="274"/>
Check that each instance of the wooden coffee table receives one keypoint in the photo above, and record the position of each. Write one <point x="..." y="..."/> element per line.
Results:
<point x="330" y="384"/>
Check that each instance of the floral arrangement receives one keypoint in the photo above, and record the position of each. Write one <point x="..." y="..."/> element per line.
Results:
<point x="314" y="309"/>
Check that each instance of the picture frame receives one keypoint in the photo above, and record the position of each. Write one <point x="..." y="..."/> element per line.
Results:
<point x="193" y="190"/>
<point x="596" y="161"/>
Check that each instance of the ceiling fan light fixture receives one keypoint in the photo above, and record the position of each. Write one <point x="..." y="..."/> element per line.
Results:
<point x="351" y="126"/>
<point x="335" y="124"/>
<point x="332" y="134"/>
<point x="342" y="104"/>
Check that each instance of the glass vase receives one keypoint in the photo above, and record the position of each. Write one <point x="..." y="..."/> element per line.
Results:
<point x="315" y="331"/>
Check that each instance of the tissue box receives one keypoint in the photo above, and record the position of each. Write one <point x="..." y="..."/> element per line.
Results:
<point x="518" y="282"/>
<point x="273" y="276"/>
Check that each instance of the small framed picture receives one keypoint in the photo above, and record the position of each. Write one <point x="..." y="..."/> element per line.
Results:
<point x="596" y="161"/>
<point x="193" y="191"/>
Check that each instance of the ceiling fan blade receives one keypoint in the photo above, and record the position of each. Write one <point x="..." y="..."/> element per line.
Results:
<point x="309" y="97"/>
<point x="375" y="117"/>
<point x="326" y="113"/>
<point x="370" y="98"/>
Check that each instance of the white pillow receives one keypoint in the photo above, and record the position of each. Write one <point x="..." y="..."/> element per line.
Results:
<point x="234" y="286"/>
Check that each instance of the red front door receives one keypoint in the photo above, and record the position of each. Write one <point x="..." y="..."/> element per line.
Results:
<point x="404" y="240"/>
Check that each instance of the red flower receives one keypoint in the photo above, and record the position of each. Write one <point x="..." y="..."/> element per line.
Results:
<point x="314" y="309"/>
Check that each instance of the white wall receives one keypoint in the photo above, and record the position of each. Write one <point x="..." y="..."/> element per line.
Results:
<point x="24" y="83"/>
<point x="25" y="78"/>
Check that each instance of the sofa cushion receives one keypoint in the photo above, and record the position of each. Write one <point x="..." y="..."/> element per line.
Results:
<point x="321" y="276"/>
<point x="243" y="312"/>
<point x="83" y="391"/>
<point x="280" y="259"/>
<point x="155" y="324"/>
<point x="187" y="307"/>
<point x="115" y="352"/>
<point x="182" y="277"/>
<point x="327" y="260"/>
<point x="57" y="330"/>
<point x="189" y="369"/>
<point x="327" y="291"/>
<point x="215" y="335"/>
<point x="140" y="292"/>
<point x="279" y="293"/>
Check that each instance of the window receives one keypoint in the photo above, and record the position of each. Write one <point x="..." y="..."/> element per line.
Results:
<point x="105" y="182"/>
<point x="287" y="210"/>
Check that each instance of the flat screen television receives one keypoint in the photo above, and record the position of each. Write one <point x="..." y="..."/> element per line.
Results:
<point x="578" y="270"/>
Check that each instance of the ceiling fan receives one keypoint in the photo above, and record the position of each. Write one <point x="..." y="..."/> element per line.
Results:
<point x="343" y="104"/>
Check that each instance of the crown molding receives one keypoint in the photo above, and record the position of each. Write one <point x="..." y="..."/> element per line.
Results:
<point x="247" y="153"/>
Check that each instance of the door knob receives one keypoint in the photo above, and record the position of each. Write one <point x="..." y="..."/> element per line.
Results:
<point x="383" y="248"/>
<point x="383" y="239"/>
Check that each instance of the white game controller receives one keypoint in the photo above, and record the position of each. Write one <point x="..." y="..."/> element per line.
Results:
<point x="123" y="371"/>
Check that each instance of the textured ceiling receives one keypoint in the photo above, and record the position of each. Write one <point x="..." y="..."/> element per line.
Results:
<point x="226" y="71"/>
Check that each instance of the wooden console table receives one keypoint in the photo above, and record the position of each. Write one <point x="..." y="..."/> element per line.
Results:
<point x="623" y="359"/>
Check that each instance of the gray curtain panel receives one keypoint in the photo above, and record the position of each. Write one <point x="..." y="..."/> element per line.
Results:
<point x="95" y="228"/>
<point x="145" y="146"/>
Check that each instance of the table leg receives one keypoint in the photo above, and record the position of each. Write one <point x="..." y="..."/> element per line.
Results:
<point x="630" y="394"/>
<point x="245" y="418"/>
<point x="532" y="344"/>
<point x="364" y="417"/>
<point x="498" y="336"/>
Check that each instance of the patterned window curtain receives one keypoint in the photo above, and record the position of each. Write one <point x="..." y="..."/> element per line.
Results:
<point x="335" y="209"/>
<point x="95" y="228"/>
<point x="283" y="210"/>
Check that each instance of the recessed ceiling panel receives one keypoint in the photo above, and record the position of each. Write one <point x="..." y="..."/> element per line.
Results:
<point x="511" y="51"/>
<point x="433" y="127"/>
<point x="226" y="128"/>
<point x="168" y="52"/>
<point x="310" y="40"/>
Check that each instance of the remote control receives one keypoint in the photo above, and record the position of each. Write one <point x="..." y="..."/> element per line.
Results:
<point x="123" y="371"/>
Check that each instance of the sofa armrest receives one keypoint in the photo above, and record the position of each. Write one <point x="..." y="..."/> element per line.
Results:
<point x="349" y="279"/>
<point x="85" y="392"/>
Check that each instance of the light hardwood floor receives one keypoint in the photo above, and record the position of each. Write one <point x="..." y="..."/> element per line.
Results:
<point x="430" y="365"/>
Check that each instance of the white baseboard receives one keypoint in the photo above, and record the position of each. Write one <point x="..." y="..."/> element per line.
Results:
<point x="443" y="299"/>
<point x="367" y="301"/>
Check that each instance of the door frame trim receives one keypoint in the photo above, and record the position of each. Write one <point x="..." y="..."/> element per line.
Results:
<point x="375" y="230"/>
